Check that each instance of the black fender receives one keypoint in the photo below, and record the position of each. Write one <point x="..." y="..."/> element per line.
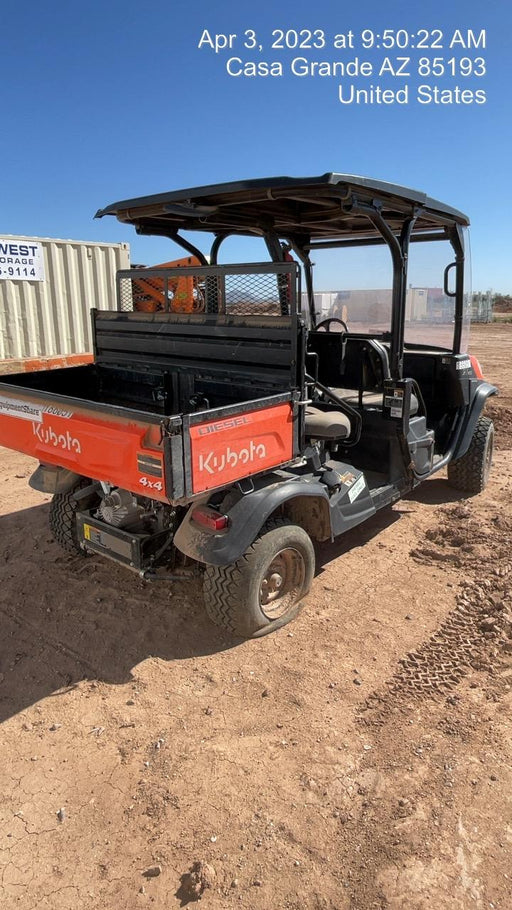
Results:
<point x="49" y="478"/>
<point x="478" y="401"/>
<point x="246" y="519"/>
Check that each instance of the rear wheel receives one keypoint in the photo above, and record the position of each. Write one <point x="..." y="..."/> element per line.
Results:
<point x="262" y="590"/>
<point x="471" y="472"/>
<point x="63" y="508"/>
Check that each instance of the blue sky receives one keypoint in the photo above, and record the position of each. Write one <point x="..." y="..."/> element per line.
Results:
<point x="104" y="101"/>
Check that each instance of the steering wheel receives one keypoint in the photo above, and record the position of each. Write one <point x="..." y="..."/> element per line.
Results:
<point x="326" y="324"/>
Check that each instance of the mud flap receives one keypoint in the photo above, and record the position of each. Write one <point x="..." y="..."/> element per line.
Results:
<point x="49" y="478"/>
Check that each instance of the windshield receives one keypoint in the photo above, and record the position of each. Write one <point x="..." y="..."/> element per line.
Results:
<point x="429" y="312"/>
<point x="355" y="285"/>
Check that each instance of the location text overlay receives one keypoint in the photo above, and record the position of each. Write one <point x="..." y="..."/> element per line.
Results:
<point x="364" y="67"/>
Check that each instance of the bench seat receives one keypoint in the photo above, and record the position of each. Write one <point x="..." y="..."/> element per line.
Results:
<point x="370" y="399"/>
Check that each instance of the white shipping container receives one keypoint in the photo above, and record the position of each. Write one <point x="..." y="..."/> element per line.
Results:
<point x="49" y="315"/>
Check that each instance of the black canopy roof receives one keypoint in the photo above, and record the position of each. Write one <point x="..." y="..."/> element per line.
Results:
<point x="326" y="207"/>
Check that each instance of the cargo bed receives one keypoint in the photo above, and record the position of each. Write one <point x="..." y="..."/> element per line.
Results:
<point x="171" y="404"/>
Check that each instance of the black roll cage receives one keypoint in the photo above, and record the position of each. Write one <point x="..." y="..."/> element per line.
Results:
<point x="302" y="215"/>
<point x="399" y="249"/>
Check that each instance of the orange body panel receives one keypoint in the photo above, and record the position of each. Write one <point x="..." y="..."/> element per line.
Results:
<point x="124" y="453"/>
<point x="229" y="449"/>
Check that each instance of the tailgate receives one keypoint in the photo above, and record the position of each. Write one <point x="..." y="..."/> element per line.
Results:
<point x="122" y="447"/>
<point x="233" y="443"/>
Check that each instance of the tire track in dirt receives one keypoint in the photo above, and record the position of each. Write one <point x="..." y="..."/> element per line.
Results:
<point x="413" y="806"/>
<point x="466" y="639"/>
<point x="480" y="624"/>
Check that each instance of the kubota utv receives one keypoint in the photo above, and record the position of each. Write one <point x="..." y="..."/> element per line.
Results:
<point x="232" y="416"/>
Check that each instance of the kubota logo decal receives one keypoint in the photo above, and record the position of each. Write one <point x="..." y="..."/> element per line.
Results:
<point x="49" y="437"/>
<point x="216" y="462"/>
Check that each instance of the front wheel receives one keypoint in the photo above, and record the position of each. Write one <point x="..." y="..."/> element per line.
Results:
<point x="262" y="590"/>
<point x="471" y="472"/>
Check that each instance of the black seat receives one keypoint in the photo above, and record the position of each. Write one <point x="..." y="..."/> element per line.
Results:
<point x="353" y="367"/>
<point x="326" y="424"/>
<point x="369" y="399"/>
<point x="349" y="361"/>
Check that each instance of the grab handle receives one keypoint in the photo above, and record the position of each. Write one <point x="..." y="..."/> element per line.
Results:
<point x="447" y="271"/>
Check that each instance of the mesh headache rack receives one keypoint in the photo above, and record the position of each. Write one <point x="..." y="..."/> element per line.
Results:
<point x="262" y="289"/>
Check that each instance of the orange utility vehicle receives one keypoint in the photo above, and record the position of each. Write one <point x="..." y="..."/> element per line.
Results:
<point x="225" y="419"/>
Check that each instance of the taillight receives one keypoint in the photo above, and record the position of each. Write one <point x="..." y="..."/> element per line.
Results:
<point x="477" y="369"/>
<point x="209" y="518"/>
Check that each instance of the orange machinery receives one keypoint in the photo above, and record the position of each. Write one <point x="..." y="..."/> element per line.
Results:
<point x="158" y="294"/>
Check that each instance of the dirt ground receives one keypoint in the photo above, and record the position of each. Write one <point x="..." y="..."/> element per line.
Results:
<point x="358" y="758"/>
